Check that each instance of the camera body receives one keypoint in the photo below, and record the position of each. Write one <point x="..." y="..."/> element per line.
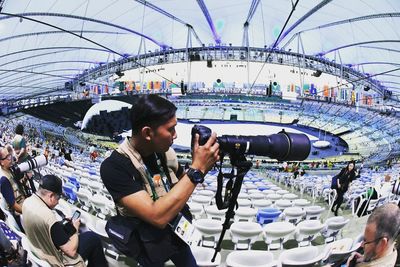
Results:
<point x="203" y="132"/>
<point x="280" y="146"/>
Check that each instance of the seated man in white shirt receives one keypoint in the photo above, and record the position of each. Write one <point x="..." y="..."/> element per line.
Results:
<point x="386" y="186"/>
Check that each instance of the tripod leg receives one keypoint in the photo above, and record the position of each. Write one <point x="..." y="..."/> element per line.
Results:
<point x="242" y="170"/>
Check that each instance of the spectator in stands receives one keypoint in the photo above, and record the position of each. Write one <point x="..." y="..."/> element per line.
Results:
<point x="61" y="159"/>
<point x="153" y="120"/>
<point x="19" y="144"/>
<point x="297" y="170"/>
<point x="386" y="186"/>
<point x="68" y="155"/>
<point x="380" y="233"/>
<point x="46" y="152"/>
<point x="93" y="153"/>
<point x="49" y="237"/>
<point x="12" y="190"/>
<point x="343" y="180"/>
<point x="364" y="200"/>
<point x="284" y="166"/>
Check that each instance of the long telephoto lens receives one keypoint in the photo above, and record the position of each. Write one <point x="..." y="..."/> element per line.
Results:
<point x="280" y="146"/>
<point x="34" y="163"/>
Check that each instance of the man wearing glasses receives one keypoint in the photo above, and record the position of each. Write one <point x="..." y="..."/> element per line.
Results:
<point x="380" y="234"/>
<point x="11" y="191"/>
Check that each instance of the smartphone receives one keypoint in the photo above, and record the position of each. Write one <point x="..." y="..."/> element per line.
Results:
<point x="76" y="215"/>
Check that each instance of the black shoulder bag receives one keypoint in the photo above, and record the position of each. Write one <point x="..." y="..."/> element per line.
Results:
<point x="123" y="232"/>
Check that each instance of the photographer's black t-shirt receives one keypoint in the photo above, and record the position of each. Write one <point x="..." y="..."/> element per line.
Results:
<point x="121" y="178"/>
<point x="118" y="175"/>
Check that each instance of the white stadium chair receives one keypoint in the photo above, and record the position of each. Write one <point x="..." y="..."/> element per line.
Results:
<point x="307" y="256"/>
<point x="261" y="203"/>
<point x="250" y="258"/>
<point x="307" y="231"/>
<point x="293" y="214"/>
<point x="277" y="231"/>
<point x="245" y="214"/>
<point x="209" y="229"/>
<point x="204" y="256"/>
<point x="313" y="212"/>
<point x="332" y="228"/>
<point x="214" y="213"/>
<point x="244" y="234"/>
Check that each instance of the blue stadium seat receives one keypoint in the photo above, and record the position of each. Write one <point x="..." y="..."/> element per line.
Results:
<point x="69" y="192"/>
<point x="267" y="215"/>
<point x="74" y="181"/>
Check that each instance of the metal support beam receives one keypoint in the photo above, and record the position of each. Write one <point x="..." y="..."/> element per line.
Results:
<point x="303" y="18"/>
<point x="252" y="10"/>
<point x="46" y="14"/>
<point x="340" y="22"/>
<point x="210" y="22"/>
<point x="1" y="4"/>
<point x="165" y="13"/>
<point x="356" y="44"/>
<point x="61" y="48"/>
<point x="245" y="40"/>
<point x="54" y="32"/>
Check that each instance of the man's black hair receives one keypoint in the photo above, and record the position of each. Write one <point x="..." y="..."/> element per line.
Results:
<point x="151" y="110"/>
<point x="19" y="129"/>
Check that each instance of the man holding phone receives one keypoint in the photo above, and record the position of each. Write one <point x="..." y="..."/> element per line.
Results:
<point x="55" y="241"/>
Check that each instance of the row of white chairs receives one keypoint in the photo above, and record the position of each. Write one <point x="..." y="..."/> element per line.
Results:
<point x="245" y="234"/>
<point x="290" y="213"/>
<point x="333" y="253"/>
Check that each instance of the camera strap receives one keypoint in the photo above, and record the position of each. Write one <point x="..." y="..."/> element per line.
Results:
<point x="224" y="203"/>
<point x="239" y="169"/>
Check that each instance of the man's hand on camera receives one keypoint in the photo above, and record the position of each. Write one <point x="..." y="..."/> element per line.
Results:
<point x="204" y="157"/>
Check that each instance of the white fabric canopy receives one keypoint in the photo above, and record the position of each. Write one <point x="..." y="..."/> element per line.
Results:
<point x="38" y="56"/>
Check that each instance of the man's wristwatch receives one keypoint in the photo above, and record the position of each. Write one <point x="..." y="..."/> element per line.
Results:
<point x="195" y="175"/>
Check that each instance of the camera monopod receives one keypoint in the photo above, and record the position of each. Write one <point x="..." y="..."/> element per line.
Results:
<point x="240" y="166"/>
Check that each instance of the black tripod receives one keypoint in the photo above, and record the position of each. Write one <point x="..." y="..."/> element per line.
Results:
<point x="240" y="166"/>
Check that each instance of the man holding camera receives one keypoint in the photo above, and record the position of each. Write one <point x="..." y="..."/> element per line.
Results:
<point x="55" y="241"/>
<point x="146" y="181"/>
<point x="11" y="190"/>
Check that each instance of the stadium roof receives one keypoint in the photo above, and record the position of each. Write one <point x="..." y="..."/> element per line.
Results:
<point x="44" y="43"/>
